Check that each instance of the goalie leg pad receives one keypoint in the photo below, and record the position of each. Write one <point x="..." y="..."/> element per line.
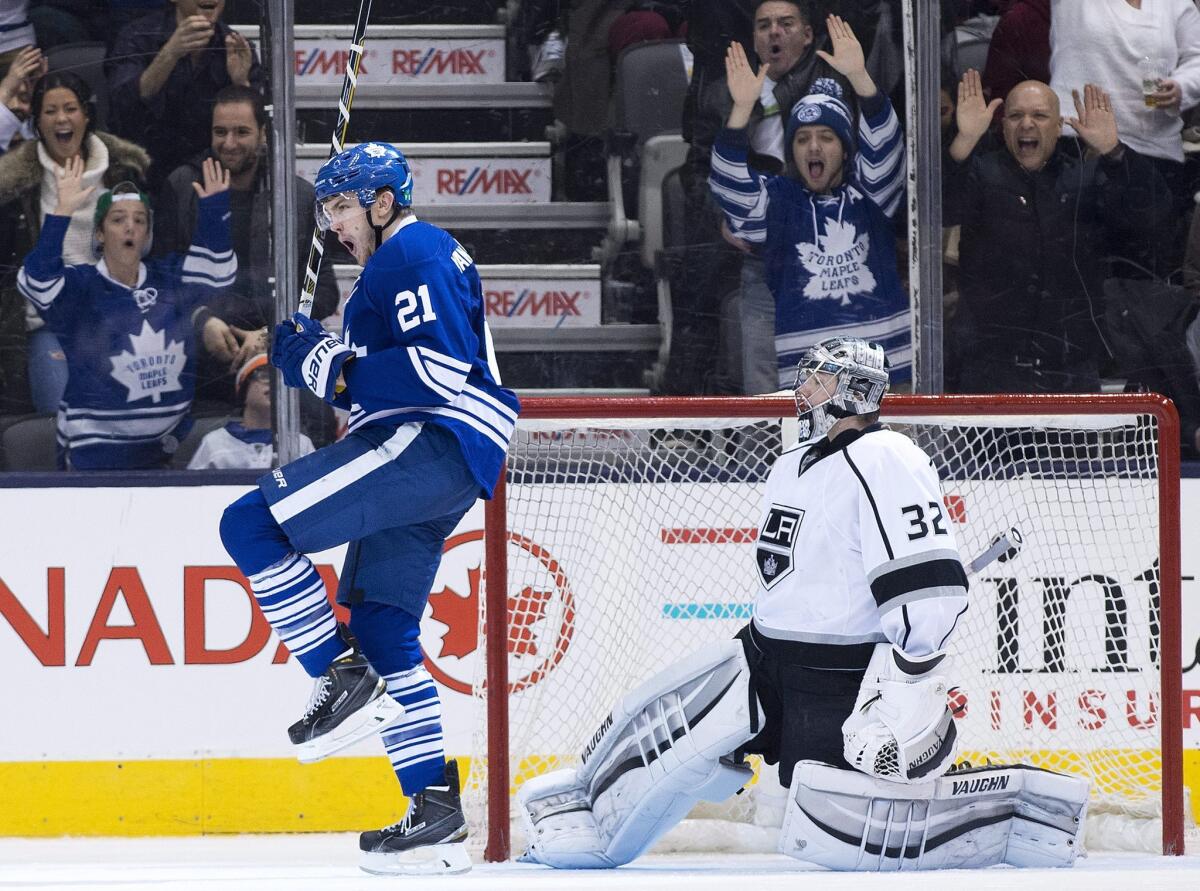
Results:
<point x="1021" y="815"/>
<point x="663" y="748"/>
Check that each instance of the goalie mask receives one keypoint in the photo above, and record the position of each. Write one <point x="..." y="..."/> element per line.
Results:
<point x="840" y="377"/>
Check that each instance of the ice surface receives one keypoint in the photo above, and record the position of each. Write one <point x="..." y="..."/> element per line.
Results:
<point x="327" y="862"/>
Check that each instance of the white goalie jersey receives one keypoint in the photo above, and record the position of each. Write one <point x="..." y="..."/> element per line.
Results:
<point x="855" y="546"/>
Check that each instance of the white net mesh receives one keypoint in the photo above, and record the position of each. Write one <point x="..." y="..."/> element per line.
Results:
<point x="630" y="547"/>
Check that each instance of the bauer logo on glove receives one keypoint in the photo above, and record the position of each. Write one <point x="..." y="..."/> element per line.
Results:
<point x="309" y="356"/>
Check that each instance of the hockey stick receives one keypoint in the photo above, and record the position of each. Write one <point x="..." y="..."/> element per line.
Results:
<point x="1004" y="547"/>
<point x="317" y="250"/>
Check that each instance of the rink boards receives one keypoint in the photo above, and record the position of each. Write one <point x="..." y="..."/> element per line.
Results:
<point x="154" y="700"/>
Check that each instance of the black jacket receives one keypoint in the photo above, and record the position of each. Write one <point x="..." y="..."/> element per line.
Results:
<point x="1030" y="256"/>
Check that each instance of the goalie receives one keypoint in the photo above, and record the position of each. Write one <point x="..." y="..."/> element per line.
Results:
<point x="838" y="678"/>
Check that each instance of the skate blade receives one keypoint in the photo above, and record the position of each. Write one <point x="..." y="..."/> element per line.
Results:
<point x="371" y="718"/>
<point x="448" y="859"/>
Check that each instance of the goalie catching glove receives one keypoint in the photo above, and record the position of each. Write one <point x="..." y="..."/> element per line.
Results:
<point x="309" y="356"/>
<point x="901" y="728"/>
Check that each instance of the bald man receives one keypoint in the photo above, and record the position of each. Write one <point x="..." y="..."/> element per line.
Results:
<point x="1034" y="215"/>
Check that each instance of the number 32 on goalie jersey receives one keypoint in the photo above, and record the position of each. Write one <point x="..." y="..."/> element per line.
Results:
<point x="917" y="514"/>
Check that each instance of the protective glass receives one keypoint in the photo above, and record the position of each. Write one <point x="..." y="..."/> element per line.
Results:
<point x="336" y="209"/>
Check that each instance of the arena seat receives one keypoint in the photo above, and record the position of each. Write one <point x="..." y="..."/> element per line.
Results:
<point x="648" y="96"/>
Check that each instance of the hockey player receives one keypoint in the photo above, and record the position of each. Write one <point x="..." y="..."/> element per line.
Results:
<point x="126" y="324"/>
<point x="429" y="427"/>
<point x="838" y="677"/>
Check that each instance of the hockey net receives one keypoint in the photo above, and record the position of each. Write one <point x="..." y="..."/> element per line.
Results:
<point x="629" y="529"/>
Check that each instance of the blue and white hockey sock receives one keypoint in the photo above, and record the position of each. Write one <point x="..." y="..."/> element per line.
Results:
<point x="291" y="595"/>
<point x="414" y="744"/>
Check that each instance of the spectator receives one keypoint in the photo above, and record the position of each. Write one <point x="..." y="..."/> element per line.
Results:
<point x="785" y="46"/>
<point x="1032" y="216"/>
<point x="247" y="441"/>
<point x="825" y="232"/>
<point x="63" y="117"/>
<point x="1020" y="48"/>
<point x="165" y="71"/>
<point x="24" y="68"/>
<point x="1105" y="43"/>
<point x="239" y="143"/>
<point x="126" y="324"/>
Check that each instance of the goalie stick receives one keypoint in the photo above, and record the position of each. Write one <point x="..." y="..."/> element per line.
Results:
<point x="1004" y="547"/>
<point x="336" y="144"/>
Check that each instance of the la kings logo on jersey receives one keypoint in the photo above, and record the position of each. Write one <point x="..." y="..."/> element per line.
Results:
<point x="776" y="543"/>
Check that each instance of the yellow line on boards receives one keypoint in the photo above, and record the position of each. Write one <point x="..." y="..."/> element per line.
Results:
<point x="236" y="795"/>
<point x="197" y="797"/>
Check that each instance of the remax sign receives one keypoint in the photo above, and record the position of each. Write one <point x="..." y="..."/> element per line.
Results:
<point x="398" y="60"/>
<point x="468" y="180"/>
<point x="542" y="303"/>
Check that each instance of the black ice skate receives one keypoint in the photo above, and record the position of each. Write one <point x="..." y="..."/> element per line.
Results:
<point x="349" y="701"/>
<point x="430" y="839"/>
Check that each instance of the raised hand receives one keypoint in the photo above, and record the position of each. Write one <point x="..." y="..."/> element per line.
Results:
<point x="69" y="183"/>
<point x="974" y="114"/>
<point x="238" y="59"/>
<point x="1094" y="120"/>
<point x="27" y="67"/>
<point x="744" y="85"/>
<point x="216" y="178"/>
<point x="847" y="57"/>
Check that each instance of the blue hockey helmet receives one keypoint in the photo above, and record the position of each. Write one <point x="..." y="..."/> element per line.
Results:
<point x="364" y="169"/>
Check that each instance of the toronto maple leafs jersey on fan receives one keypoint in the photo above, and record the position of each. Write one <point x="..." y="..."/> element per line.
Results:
<point x="856" y="548"/>
<point x="423" y="351"/>
<point x="830" y="259"/>
<point x="130" y="354"/>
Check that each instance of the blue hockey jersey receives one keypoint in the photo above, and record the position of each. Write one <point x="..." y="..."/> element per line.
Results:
<point x="423" y="352"/>
<point x="830" y="259"/>
<point x="130" y="351"/>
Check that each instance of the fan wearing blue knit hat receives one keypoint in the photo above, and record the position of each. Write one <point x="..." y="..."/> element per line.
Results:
<point x="824" y="228"/>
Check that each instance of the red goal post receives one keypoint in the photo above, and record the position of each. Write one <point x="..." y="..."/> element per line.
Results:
<point x="1094" y="440"/>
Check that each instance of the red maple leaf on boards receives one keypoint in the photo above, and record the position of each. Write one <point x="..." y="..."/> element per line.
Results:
<point x="460" y="615"/>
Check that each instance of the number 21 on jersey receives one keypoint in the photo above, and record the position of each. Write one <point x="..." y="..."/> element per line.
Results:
<point x="413" y="309"/>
